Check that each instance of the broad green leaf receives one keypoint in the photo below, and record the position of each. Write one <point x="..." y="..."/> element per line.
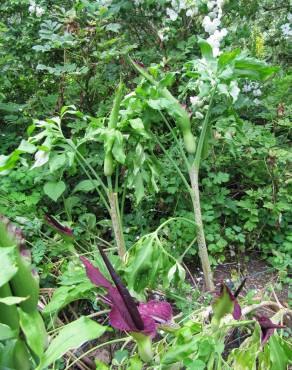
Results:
<point x="278" y="355"/>
<point x="86" y="186"/>
<point x="7" y="333"/>
<point x="8" y="266"/>
<point x="33" y="327"/>
<point x="117" y="149"/>
<point x="26" y="147"/>
<point x="264" y="359"/>
<point x="54" y="189"/>
<point x="56" y="162"/>
<point x="9" y="301"/>
<point x="137" y="124"/>
<point x="253" y="69"/>
<point x="227" y="57"/>
<point x="66" y="294"/>
<point x="206" y="49"/>
<point x="180" y="351"/>
<point x="245" y="357"/>
<point x="100" y="365"/>
<point x="135" y="363"/>
<point x="159" y="104"/>
<point x="139" y="187"/>
<point x="70" y="337"/>
<point x="140" y="261"/>
<point x="88" y="219"/>
<point x="206" y="144"/>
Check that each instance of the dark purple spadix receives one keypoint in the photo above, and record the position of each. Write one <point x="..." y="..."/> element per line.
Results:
<point x="126" y="296"/>
<point x="125" y="315"/>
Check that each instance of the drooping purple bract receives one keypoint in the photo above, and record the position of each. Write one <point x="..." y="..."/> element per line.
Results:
<point x="267" y="328"/>
<point x="236" y="310"/>
<point x="151" y="313"/>
<point x="56" y="225"/>
<point x="225" y="303"/>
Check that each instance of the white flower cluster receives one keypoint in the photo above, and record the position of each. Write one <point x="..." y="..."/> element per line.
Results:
<point x="254" y="89"/>
<point x="211" y="24"/>
<point x="106" y="3"/>
<point x="286" y="28"/>
<point x="35" y="9"/>
<point x="191" y="7"/>
<point x="198" y="103"/>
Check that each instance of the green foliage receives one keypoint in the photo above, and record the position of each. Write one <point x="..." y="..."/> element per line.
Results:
<point x="60" y="65"/>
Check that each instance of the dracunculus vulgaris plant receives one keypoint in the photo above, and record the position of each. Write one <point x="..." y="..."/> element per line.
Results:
<point x="140" y="320"/>
<point x="21" y="326"/>
<point x="215" y="76"/>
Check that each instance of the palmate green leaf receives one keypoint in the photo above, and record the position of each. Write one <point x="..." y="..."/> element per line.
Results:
<point x="8" y="266"/>
<point x="33" y="328"/>
<point x="54" y="189"/>
<point x="70" y="337"/>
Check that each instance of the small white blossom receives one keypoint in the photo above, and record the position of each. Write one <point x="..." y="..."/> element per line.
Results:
<point x="31" y="9"/>
<point x="257" y="92"/>
<point x="194" y="100"/>
<point x="209" y="25"/>
<point x="246" y="88"/>
<point x="199" y="115"/>
<point x="286" y="30"/>
<point x="289" y="17"/>
<point x="39" y="11"/>
<point x="192" y="11"/>
<point x="172" y="14"/>
<point x="234" y="90"/>
<point x="256" y="101"/>
<point x="211" y="5"/>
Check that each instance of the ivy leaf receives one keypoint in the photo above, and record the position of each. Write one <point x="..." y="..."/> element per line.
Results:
<point x="54" y="189"/>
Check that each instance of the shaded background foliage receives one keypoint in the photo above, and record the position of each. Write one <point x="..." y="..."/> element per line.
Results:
<point x="75" y="53"/>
